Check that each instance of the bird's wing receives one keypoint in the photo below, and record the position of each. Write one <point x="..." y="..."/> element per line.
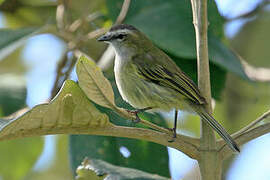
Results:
<point x="171" y="78"/>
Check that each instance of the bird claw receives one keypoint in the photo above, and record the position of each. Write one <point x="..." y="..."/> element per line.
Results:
<point x="174" y="135"/>
<point x="135" y="112"/>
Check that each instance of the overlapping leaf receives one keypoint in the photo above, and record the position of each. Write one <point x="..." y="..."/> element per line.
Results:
<point x="99" y="89"/>
<point x="108" y="171"/>
<point x="94" y="84"/>
<point x="68" y="111"/>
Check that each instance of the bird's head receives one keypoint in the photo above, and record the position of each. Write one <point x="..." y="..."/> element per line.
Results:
<point x="125" y="37"/>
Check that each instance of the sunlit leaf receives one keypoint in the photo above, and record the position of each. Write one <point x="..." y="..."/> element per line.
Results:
<point x="94" y="84"/>
<point x="154" y="158"/>
<point x="105" y="170"/>
<point x="67" y="112"/>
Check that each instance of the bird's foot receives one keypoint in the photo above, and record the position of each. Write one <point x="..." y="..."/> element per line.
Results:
<point x="136" y="112"/>
<point x="174" y="135"/>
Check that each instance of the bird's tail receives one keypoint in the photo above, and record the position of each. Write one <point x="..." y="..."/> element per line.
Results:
<point x="217" y="127"/>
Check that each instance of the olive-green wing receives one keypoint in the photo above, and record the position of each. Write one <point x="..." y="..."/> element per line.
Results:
<point x="176" y="80"/>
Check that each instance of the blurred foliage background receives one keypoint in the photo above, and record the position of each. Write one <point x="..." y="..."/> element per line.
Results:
<point x="39" y="44"/>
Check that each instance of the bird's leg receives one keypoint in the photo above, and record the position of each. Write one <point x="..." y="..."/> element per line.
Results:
<point x="135" y="112"/>
<point x="175" y="125"/>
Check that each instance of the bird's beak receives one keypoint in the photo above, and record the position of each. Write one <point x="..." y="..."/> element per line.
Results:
<point x="105" y="37"/>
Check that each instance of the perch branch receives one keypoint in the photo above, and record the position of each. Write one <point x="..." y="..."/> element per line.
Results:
<point x="209" y="161"/>
<point x="199" y="10"/>
<point x="183" y="143"/>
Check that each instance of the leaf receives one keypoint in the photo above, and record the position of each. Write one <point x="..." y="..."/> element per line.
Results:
<point x="108" y="171"/>
<point x="12" y="93"/>
<point x="94" y="84"/>
<point x="69" y="112"/>
<point x="169" y="25"/>
<point x="12" y="39"/>
<point x="147" y="156"/>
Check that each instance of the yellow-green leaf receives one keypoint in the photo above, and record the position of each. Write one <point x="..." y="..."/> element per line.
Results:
<point x="68" y="113"/>
<point x="104" y="170"/>
<point x="94" y="84"/>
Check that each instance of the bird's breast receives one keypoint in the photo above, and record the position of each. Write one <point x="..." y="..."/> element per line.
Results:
<point x="139" y="92"/>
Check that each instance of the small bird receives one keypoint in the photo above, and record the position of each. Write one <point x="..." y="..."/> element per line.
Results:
<point x="147" y="78"/>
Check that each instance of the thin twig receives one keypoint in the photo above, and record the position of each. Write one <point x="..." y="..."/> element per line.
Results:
<point x="256" y="73"/>
<point x="245" y="137"/>
<point x="78" y="22"/>
<point x="252" y="124"/>
<point x="60" y="16"/>
<point x="61" y="76"/>
<point x="60" y="66"/>
<point x="245" y="134"/>
<point x="123" y="12"/>
<point x="108" y="55"/>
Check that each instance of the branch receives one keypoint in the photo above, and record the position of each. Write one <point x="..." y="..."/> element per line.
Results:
<point x="252" y="124"/>
<point x="123" y="12"/>
<point x="108" y="56"/>
<point x="246" y="134"/>
<point x="199" y="10"/>
<point x="70" y="112"/>
<point x="256" y="73"/>
<point x="209" y="161"/>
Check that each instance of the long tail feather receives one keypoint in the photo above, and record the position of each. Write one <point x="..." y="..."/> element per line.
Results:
<point x="217" y="127"/>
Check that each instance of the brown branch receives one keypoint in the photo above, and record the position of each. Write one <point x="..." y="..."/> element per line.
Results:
<point x="61" y="76"/>
<point x="256" y="73"/>
<point x="209" y="161"/>
<point x="199" y="10"/>
<point x="107" y="57"/>
<point x="183" y="143"/>
<point x="252" y="124"/>
<point x="246" y="134"/>
<point x="60" y="10"/>
<point x="123" y="12"/>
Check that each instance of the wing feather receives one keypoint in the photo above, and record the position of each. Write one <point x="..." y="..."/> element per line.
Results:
<point x="178" y="81"/>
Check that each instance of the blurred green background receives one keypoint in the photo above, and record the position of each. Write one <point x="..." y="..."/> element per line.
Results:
<point x="34" y="43"/>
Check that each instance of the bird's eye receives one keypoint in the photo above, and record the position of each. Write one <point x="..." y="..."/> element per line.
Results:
<point x="121" y="36"/>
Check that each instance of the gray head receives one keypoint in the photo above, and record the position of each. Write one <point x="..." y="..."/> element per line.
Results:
<point x="125" y="37"/>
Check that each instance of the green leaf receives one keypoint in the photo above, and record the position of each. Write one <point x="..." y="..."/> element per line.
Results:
<point x="94" y="84"/>
<point x="12" y="39"/>
<point x="69" y="112"/>
<point x="12" y="93"/>
<point x="147" y="156"/>
<point x="169" y="25"/>
<point x="105" y="170"/>
<point x="144" y="154"/>
<point x="19" y="156"/>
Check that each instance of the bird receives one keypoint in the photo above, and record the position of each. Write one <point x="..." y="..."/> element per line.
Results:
<point x="147" y="78"/>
